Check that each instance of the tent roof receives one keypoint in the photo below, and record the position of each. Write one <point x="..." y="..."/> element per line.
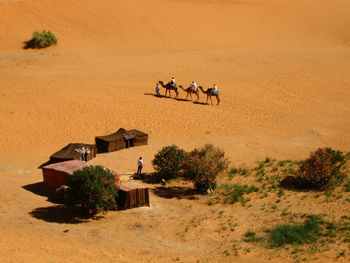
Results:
<point x="121" y="133"/>
<point x="70" y="151"/>
<point x="68" y="166"/>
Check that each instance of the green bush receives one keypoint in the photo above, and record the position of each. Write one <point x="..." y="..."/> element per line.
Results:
<point x="41" y="40"/>
<point x="169" y="161"/>
<point x="321" y="170"/>
<point x="202" y="167"/>
<point x="93" y="190"/>
<point x="298" y="233"/>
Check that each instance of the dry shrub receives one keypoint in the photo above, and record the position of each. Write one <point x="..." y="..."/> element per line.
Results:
<point x="321" y="170"/>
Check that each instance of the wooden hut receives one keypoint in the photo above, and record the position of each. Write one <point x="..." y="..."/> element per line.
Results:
<point x="56" y="174"/>
<point x="120" y="140"/>
<point x="71" y="152"/>
<point x="132" y="194"/>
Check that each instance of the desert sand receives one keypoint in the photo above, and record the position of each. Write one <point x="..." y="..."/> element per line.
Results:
<point x="283" y="72"/>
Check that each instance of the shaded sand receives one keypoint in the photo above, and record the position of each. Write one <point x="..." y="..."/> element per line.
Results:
<point x="282" y="68"/>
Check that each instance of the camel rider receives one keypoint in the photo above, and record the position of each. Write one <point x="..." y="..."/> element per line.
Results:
<point x="172" y="82"/>
<point x="158" y="89"/>
<point x="215" y="90"/>
<point x="194" y="85"/>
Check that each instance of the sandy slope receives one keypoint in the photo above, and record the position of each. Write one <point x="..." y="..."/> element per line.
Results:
<point x="282" y="67"/>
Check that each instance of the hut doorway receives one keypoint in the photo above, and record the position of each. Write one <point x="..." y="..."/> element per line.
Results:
<point x="129" y="143"/>
<point x="129" y="140"/>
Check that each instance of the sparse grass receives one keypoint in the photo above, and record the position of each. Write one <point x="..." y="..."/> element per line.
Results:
<point x="233" y="193"/>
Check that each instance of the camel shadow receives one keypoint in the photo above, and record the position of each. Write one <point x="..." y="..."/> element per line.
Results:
<point x="164" y="97"/>
<point x="155" y="95"/>
<point x="200" y="103"/>
<point x="175" y="192"/>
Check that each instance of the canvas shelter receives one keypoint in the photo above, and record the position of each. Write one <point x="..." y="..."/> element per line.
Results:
<point x="56" y="174"/>
<point x="70" y="153"/>
<point x="132" y="194"/>
<point x="120" y="140"/>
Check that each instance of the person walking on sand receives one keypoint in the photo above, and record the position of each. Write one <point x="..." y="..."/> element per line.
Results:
<point x="157" y="89"/>
<point x="139" y="166"/>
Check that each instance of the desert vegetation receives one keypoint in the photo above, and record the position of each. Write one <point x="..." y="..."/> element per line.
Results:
<point x="322" y="178"/>
<point x="201" y="166"/>
<point x="41" y="40"/>
<point x="92" y="190"/>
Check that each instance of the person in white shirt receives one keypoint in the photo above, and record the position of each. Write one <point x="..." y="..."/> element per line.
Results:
<point x="194" y="85"/>
<point x="139" y="166"/>
<point x="215" y="90"/>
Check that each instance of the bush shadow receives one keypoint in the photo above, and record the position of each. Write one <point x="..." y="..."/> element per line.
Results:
<point x="148" y="178"/>
<point x="59" y="214"/>
<point x="293" y="183"/>
<point x="175" y="192"/>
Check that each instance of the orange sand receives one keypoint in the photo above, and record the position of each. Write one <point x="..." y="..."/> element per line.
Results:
<point x="282" y="68"/>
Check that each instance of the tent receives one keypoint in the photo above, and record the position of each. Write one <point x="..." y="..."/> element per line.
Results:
<point x="56" y="174"/>
<point x="120" y="140"/>
<point x="132" y="194"/>
<point x="70" y="153"/>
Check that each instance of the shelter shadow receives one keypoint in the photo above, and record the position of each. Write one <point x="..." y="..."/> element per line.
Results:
<point x="40" y="189"/>
<point x="58" y="214"/>
<point x="175" y="192"/>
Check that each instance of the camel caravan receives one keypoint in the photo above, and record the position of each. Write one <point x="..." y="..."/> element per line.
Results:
<point x="192" y="89"/>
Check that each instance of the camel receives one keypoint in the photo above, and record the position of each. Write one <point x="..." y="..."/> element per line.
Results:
<point x="189" y="91"/>
<point x="210" y="93"/>
<point x="169" y="87"/>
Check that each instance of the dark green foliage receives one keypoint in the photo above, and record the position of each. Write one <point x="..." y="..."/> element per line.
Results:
<point x="202" y="167"/>
<point x="169" y="162"/>
<point x="299" y="233"/>
<point x="321" y="170"/>
<point x="41" y="40"/>
<point x="92" y="190"/>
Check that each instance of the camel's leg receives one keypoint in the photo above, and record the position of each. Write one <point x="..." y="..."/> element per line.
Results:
<point x="197" y="96"/>
<point x="218" y="100"/>
<point x="191" y="96"/>
<point x="207" y="99"/>
<point x="187" y="96"/>
<point x="211" y="100"/>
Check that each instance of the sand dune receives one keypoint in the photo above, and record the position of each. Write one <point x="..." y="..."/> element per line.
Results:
<point x="282" y="67"/>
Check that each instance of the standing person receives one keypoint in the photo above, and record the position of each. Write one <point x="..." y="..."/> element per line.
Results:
<point x="158" y="89"/>
<point x="139" y="166"/>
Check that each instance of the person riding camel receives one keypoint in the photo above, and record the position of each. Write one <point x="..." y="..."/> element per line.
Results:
<point x="194" y="85"/>
<point x="172" y="82"/>
<point x="215" y="90"/>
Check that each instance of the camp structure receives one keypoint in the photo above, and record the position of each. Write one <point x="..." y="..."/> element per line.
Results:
<point x="56" y="174"/>
<point x="120" y="140"/>
<point x="132" y="194"/>
<point x="74" y="151"/>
